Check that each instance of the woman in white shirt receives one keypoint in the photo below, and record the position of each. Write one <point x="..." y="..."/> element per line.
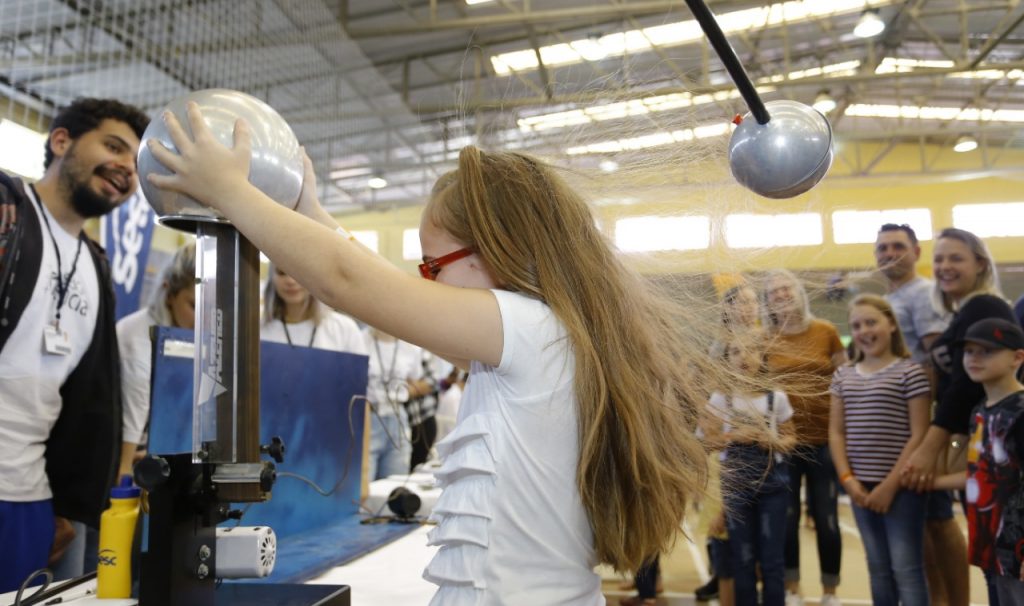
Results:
<point x="173" y="304"/>
<point x="291" y="315"/>
<point x="396" y="376"/>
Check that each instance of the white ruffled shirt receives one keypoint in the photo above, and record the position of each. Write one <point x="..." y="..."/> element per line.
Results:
<point x="511" y="525"/>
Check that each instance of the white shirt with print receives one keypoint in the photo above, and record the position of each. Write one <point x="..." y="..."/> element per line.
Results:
<point x="30" y="379"/>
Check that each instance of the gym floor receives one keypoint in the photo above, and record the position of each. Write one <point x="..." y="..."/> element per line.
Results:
<point x="685" y="569"/>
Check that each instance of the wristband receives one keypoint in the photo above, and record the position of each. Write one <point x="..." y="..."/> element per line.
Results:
<point x="846" y="476"/>
<point x="345" y="234"/>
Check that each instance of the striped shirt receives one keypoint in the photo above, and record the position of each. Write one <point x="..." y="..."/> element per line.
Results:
<point x="876" y="414"/>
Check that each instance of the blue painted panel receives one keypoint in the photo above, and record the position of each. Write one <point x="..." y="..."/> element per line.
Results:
<point x="306" y="398"/>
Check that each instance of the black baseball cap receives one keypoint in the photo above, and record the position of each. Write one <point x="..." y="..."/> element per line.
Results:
<point x="995" y="332"/>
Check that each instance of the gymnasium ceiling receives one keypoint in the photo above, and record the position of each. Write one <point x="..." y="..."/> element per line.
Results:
<point x="393" y="88"/>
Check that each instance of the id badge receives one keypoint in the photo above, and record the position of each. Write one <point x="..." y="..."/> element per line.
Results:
<point x="56" y="341"/>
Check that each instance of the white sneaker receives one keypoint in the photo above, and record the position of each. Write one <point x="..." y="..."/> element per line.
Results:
<point x="830" y="599"/>
<point x="794" y="599"/>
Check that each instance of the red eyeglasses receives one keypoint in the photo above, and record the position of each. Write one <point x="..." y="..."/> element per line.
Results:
<point x="430" y="269"/>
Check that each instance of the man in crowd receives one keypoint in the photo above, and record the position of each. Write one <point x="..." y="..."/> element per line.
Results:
<point x="897" y="252"/>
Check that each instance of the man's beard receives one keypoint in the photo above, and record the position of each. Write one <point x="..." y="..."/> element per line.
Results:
<point x="86" y="202"/>
<point x="89" y="204"/>
<point x="894" y="273"/>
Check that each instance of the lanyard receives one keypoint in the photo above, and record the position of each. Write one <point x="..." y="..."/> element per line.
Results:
<point x="380" y="359"/>
<point x="288" y="335"/>
<point x="62" y="285"/>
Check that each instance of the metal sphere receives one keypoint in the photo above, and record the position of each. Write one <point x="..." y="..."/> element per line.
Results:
<point x="785" y="157"/>
<point x="276" y="167"/>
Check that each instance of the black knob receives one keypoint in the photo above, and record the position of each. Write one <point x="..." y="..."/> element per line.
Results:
<point x="151" y="472"/>
<point x="267" y="477"/>
<point x="275" y="449"/>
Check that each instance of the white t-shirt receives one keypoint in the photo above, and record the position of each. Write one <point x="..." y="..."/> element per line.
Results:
<point x="511" y="524"/>
<point x="392" y="363"/>
<point x="30" y="379"/>
<point x="916" y="316"/>
<point x="336" y="332"/>
<point x="752" y="408"/>
<point x="136" y="363"/>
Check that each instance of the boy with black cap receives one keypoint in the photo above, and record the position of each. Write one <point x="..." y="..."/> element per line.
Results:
<point x="993" y="354"/>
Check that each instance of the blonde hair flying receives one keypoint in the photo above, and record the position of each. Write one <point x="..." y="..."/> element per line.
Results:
<point x="638" y="459"/>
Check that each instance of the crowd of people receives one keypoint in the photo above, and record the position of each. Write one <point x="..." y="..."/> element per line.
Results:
<point x="587" y="387"/>
<point x="864" y="426"/>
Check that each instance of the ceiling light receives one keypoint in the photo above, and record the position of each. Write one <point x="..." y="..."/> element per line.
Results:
<point x="472" y="2"/>
<point x="590" y="48"/>
<point x="965" y="143"/>
<point x="903" y="65"/>
<point x="824" y="102"/>
<point x="633" y="41"/>
<point x="16" y="138"/>
<point x="609" y="166"/>
<point x="613" y="146"/>
<point x="377" y="182"/>
<point x="869" y="25"/>
<point x="916" y="112"/>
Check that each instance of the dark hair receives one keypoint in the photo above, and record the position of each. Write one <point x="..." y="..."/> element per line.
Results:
<point x="903" y="228"/>
<point x="85" y="114"/>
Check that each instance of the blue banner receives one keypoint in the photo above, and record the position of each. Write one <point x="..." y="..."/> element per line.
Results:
<point x="126" y="234"/>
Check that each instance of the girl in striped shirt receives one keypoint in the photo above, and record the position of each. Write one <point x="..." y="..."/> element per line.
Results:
<point x="880" y="412"/>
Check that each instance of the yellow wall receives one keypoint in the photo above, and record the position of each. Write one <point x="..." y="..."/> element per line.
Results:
<point x="896" y="181"/>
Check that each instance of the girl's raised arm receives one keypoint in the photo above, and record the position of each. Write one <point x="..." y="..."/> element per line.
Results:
<point x="459" y="323"/>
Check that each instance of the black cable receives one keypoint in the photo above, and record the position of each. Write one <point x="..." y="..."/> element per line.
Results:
<point x="729" y="59"/>
<point x="348" y="463"/>
<point x="44" y="593"/>
<point x="24" y="585"/>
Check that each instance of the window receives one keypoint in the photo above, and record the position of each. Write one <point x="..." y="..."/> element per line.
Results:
<point x="411" y="245"/>
<point x="368" y="238"/>
<point x="861" y="226"/>
<point x="990" y="220"/>
<point x="16" y="139"/>
<point x="766" y="231"/>
<point x="648" y="234"/>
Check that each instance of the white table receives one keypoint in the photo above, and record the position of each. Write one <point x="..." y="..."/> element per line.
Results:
<point x="389" y="575"/>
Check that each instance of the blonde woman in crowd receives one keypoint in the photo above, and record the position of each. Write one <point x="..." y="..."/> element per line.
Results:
<point x="291" y="315"/>
<point x="803" y="352"/>
<point x="966" y="285"/>
<point x="173" y="304"/>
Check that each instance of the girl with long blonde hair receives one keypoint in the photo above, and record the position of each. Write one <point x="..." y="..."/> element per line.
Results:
<point x="574" y="444"/>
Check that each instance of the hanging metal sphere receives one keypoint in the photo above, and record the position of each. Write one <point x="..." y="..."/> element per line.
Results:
<point x="785" y="157"/>
<point x="276" y="166"/>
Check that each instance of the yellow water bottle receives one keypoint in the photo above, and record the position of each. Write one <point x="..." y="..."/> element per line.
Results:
<point x="117" y="532"/>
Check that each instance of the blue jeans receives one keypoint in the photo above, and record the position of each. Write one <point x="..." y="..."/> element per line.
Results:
<point x="390" y="448"/>
<point x="1010" y="590"/>
<point x="815" y="462"/>
<point x="757" y="523"/>
<point x="721" y="558"/>
<point x="72" y="563"/>
<point x="894" y="546"/>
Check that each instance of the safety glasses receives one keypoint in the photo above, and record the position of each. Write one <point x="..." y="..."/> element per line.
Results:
<point x="430" y="269"/>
